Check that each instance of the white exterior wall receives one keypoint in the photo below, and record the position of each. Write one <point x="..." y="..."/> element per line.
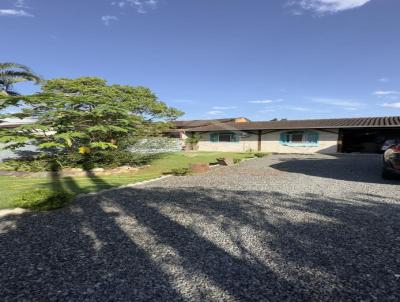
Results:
<point x="270" y="143"/>
<point x="327" y="143"/>
<point x="245" y="144"/>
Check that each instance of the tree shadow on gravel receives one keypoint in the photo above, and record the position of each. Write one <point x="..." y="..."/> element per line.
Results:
<point x="362" y="168"/>
<point x="204" y="244"/>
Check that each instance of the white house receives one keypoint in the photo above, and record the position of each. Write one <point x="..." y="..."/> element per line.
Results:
<point x="292" y="136"/>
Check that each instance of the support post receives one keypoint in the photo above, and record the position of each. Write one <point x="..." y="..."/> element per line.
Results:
<point x="340" y="141"/>
<point x="259" y="132"/>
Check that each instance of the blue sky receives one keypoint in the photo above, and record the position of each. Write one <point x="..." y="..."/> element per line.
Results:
<point x="220" y="58"/>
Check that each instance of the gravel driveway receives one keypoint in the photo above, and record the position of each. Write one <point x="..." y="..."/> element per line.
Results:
<point x="297" y="228"/>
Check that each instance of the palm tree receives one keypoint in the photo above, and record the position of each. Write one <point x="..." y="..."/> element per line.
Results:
<point x="11" y="73"/>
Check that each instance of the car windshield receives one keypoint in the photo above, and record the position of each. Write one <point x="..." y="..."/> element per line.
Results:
<point x="390" y="142"/>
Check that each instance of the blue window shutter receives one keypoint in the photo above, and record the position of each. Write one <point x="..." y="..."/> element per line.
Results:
<point x="214" y="137"/>
<point x="312" y="137"/>
<point x="235" y="137"/>
<point x="284" y="138"/>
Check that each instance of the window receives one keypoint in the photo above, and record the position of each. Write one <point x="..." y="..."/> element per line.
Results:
<point x="297" y="137"/>
<point x="300" y="138"/>
<point x="224" y="137"/>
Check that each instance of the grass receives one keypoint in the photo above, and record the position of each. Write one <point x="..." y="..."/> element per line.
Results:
<point x="12" y="188"/>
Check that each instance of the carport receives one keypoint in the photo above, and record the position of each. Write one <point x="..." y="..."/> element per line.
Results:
<point x="366" y="140"/>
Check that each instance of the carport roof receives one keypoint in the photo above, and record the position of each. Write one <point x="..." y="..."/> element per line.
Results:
<point x="367" y="122"/>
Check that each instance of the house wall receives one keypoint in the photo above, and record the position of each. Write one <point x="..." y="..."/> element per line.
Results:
<point x="327" y="143"/>
<point x="5" y="153"/>
<point x="244" y="144"/>
<point x="270" y="142"/>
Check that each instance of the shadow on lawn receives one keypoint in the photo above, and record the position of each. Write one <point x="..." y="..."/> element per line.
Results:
<point x="58" y="191"/>
<point x="204" y="244"/>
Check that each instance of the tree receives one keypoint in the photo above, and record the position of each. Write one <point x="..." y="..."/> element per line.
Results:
<point x="86" y="116"/>
<point x="12" y="73"/>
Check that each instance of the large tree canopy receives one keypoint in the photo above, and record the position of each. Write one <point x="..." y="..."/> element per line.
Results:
<point x="85" y="115"/>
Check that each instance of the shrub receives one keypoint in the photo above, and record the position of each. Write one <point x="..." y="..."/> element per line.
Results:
<point x="155" y="145"/>
<point x="43" y="199"/>
<point x="193" y="140"/>
<point x="101" y="159"/>
<point x="237" y="160"/>
<point x="26" y="165"/>
<point x="180" y="171"/>
<point x="107" y="159"/>
<point x="260" y="154"/>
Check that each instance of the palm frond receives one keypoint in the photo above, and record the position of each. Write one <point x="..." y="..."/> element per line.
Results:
<point x="10" y="65"/>
<point x="10" y="76"/>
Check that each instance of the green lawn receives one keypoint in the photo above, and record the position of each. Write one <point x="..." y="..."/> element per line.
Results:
<point x="11" y="187"/>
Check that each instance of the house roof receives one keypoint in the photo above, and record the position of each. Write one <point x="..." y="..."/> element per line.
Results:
<point x="15" y="122"/>
<point x="367" y="122"/>
<point x="201" y="123"/>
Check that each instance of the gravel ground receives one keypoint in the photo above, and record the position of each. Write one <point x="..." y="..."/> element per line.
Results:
<point x="281" y="228"/>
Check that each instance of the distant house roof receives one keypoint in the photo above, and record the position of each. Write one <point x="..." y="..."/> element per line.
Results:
<point x="367" y="122"/>
<point x="15" y="122"/>
<point x="201" y="123"/>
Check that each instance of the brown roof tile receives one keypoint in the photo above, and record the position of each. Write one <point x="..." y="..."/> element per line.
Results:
<point x="378" y="122"/>
<point x="201" y="123"/>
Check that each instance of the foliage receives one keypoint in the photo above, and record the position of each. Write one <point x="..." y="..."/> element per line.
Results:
<point x="26" y="165"/>
<point x="156" y="145"/>
<point x="193" y="139"/>
<point x="43" y="199"/>
<point x="106" y="159"/>
<point x="12" y="73"/>
<point x="101" y="159"/>
<point x="261" y="154"/>
<point x="180" y="171"/>
<point x="86" y="116"/>
<point x="237" y="160"/>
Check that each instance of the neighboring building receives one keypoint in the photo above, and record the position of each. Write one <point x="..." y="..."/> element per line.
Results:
<point x="180" y="127"/>
<point x="13" y="123"/>
<point x="293" y="136"/>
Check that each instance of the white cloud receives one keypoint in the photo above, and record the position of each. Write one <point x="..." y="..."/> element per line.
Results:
<point x="265" y="101"/>
<point x="20" y="4"/>
<point x="386" y="93"/>
<point x="345" y="104"/>
<point x="215" y="112"/>
<point x="14" y="13"/>
<point x="296" y="108"/>
<point x="141" y="6"/>
<point x="327" y="6"/>
<point x="392" y="105"/>
<point x="383" y="80"/>
<point x="108" y="19"/>
<point x="224" y="108"/>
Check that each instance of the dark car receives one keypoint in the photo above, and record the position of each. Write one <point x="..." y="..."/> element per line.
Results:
<point x="391" y="162"/>
<point x="389" y="143"/>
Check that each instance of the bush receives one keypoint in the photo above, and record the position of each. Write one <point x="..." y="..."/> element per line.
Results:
<point x="237" y="160"/>
<point x="26" y="165"/>
<point x="180" y="171"/>
<point x="101" y="159"/>
<point x="43" y="199"/>
<point x="155" y="145"/>
<point x="107" y="159"/>
<point x="260" y="154"/>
